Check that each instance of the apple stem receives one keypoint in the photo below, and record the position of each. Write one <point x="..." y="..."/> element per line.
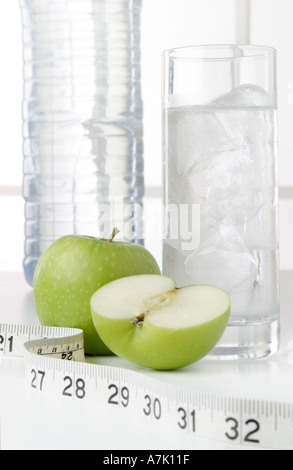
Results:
<point x="114" y="233"/>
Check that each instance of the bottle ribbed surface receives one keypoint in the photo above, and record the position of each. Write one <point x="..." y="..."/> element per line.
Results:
<point x="82" y="119"/>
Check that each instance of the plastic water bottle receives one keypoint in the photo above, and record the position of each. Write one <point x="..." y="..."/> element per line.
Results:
<point x="82" y="121"/>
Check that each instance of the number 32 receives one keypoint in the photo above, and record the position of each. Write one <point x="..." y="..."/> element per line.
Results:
<point x="234" y="434"/>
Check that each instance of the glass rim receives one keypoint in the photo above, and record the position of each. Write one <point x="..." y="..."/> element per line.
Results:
<point x="255" y="51"/>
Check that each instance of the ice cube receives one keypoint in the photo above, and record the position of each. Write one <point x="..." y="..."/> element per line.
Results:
<point x="227" y="190"/>
<point x="246" y="95"/>
<point x="174" y="260"/>
<point x="195" y="135"/>
<point x="260" y="233"/>
<point x="223" y="260"/>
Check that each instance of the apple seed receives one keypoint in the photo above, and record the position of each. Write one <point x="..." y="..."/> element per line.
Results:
<point x="156" y="302"/>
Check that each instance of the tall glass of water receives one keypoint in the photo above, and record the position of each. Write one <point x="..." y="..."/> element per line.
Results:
<point x="220" y="185"/>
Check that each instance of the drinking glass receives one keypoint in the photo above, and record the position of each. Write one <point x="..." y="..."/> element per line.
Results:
<point x="220" y="185"/>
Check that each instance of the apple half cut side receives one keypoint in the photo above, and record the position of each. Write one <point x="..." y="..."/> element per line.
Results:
<point x="147" y="320"/>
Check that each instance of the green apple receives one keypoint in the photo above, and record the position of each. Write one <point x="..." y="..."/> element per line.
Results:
<point x="147" y="320"/>
<point x="71" y="269"/>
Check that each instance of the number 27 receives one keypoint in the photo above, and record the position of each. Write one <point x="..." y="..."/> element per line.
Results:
<point x="34" y="373"/>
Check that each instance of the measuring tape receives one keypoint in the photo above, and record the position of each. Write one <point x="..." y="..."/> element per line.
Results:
<point x="55" y="363"/>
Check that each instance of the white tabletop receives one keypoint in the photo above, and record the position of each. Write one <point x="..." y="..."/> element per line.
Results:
<point x="30" y="421"/>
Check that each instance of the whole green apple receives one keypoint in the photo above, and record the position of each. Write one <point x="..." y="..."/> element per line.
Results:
<point x="147" y="320"/>
<point x="71" y="269"/>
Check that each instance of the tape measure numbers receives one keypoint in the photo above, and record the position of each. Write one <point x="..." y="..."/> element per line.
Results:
<point x="55" y="363"/>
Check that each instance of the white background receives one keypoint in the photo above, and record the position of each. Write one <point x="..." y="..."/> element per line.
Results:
<point x="36" y="422"/>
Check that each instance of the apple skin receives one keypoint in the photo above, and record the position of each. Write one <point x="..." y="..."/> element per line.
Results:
<point x="156" y="347"/>
<point x="71" y="269"/>
<point x="150" y="348"/>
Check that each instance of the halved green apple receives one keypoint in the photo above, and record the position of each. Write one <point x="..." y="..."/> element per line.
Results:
<point x="147" y="320"/>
